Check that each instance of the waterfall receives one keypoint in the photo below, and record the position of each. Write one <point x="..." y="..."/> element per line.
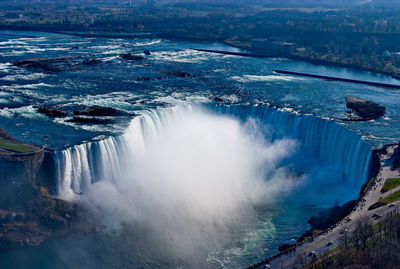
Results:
<point x="321" y="139"/>
<point x="81" y="165"/>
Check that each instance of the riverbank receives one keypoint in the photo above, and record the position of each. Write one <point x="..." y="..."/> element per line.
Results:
<point x="29" y="212"/>
<point x="320" y="244"/>
<point x="91" y="33"/>
<point x="316" y="61"/>
<point x="11" y="147"/>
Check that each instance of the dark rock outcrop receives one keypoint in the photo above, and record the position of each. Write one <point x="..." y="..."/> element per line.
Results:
<point x="91" y="120"/>
<point x="38" y="63"/>
<point x="52" y="112"/>
<point x="91" y="61"/>
<point x="143" y="79"/>
<point x="179" y="74"/>
<point x="18" y="178"/>
<point x="57" y="64"/>
<point x="45" y="216"/>
<point x="365" y="110"/>
<point x="4" y="134"/>
<point x="101" y="111"/>
<point x="284" y="247"/>
<point x="19" y="164"/>
<point x="396" y="158"/>
<point x="29" y="213"/>
<point x="331" y="216"/>
<point x="131" y="57"/>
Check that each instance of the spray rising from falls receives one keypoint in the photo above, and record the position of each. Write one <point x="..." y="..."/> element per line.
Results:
<point x="197" y="182"/>
<point x="322" y="140"/>
<point x="186" y="175"/>
<point x="326" y="142"/>
<point x="108" y="160"/>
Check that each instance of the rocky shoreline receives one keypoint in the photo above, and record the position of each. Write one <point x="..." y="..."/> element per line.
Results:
<point x="29" y="212"/>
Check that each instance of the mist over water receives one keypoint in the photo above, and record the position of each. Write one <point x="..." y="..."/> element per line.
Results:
<point x="195" y="185"/>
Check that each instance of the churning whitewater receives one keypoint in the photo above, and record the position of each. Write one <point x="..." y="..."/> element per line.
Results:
<point x="320" y="140"/>
<point x="200" y="180"/>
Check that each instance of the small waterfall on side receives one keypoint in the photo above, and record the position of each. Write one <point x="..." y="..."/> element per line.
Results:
<point x="81" y="165"/>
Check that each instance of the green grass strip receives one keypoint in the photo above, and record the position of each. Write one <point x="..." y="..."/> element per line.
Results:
<point x="390" y="183"/>
<point x="391" y="198"/>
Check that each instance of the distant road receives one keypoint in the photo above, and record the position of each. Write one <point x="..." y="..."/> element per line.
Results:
<point x="377" y="84"/>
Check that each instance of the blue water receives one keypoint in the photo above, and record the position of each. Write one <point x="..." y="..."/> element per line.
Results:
<point x="238" y="81"/>
<point x="114" y="83"/>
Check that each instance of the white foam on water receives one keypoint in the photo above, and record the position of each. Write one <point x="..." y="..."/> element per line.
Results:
<point x="96" y="128"/>
<point x="34" y="39"/>
<point x="266" y="78"/>
<point x="182" y="56"/>
<point x="13" y="42"/>
<point x="34" y="85"/>
<point x="6" y="67"/>
<point x="24" y="111"/>
<point x="32" y="76"/>
<point x="110" y="58"/>
<point x="105" y="47"/>
<point x="148" y="43"/>
<point x="181" y="98"/>
<point x="114" y="99"/>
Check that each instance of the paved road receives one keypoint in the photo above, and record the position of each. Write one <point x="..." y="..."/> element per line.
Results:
<point x="335" y="234"/>
<point x="319" y="245"/>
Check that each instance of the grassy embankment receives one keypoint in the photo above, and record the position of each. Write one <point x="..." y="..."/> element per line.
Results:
<point x="10" y="146"/>
<point x="394" y="197"/>
<point x="390" y="184"/>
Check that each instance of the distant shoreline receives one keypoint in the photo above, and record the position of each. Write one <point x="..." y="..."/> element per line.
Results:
<point x="154" y="34"/>
<point x="318" y="62"/>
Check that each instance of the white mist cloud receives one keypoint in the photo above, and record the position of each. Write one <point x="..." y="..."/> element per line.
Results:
<point x="199" y="176"/>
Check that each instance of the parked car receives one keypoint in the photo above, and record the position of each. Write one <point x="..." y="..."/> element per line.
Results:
<point x="376" y="216"/>
<point x="312" y="254"/>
